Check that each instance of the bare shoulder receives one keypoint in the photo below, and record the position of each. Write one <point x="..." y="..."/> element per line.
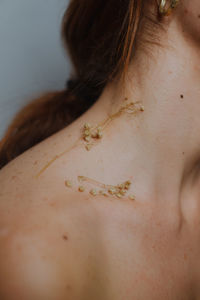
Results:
<point x="41" y="234"/>
<point x="55" y="242"/>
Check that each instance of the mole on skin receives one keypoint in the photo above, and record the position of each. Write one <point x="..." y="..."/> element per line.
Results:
<point x="65" y="237"/>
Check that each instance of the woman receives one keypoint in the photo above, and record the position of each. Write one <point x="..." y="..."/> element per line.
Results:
<point x="109" y="206"/>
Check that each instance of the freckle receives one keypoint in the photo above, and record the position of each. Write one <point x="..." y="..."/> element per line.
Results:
<point x="186" y="11"/>
<point x="185" y="256"/>
<point x="68" y="287"/>
<point x="183" y="153"/>
<point x="13" y="177"/>
<point x="199" y="16"/>
<point x="35" y="163"/>
<point x="52" y="204"/>
<point x="65" y="237"/>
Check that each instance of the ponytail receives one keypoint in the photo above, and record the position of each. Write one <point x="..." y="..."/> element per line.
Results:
<point x="40" y="119"/>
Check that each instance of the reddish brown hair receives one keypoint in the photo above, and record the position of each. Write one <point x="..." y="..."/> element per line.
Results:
<point x="100" y="37"/>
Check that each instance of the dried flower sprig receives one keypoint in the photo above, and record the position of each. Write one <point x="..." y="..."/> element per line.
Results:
<point x="106" y="190"/>
<point x="91" y="134"/>
<point x="119" y="190"/>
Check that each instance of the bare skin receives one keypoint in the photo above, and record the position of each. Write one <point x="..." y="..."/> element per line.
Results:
<point x="58" y="243"/>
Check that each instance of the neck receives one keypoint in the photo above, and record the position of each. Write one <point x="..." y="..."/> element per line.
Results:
<point x="159" y="147"/>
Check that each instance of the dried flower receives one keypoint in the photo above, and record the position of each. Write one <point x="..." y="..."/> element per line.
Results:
<point x="87" y="126"/>
<point x="68" y="183"/>
<point x="93" y="192"/>
<point x="88" y="147"/>
<point x="99" y="135"/>
<point x="87" y="138"/>
<point x="118" y="195"/>
<point x="122" y="192"/>
<point x="103" y="193"/>
<point x="87" y="132"/>
<point x="127" y="184"/>
<point x="81" y="189"/>
<point x="112" y="191"/>
<point x="94" y="134"/>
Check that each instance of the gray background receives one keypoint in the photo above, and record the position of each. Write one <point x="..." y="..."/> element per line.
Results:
<point x="32" y="59"/>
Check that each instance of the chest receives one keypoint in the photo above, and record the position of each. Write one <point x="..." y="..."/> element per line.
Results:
<point x="147" y="263"/>
<point x="96" y="251"/>
<point x="136" y="255"/>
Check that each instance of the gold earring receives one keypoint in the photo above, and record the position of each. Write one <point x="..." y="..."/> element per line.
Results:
<point x="163" y="10"/>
